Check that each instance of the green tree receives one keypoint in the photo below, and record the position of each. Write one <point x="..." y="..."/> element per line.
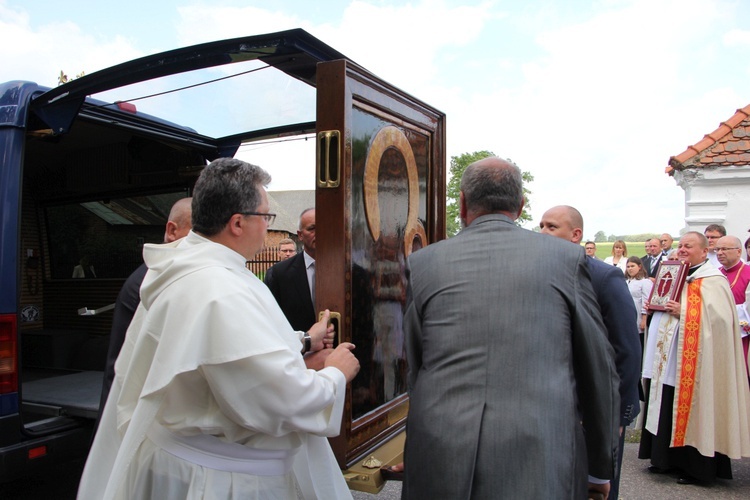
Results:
<point x="600" y="236"/>
<point x="458" y="165"/>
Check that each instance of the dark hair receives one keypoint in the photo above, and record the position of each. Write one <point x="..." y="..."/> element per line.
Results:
<point x="226" y="187"/>
<point x="716" y="227"/>
<point x="493" y="189"/>
<point x="641" y="272"/>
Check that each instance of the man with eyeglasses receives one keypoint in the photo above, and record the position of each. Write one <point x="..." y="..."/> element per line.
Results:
<point x="287" y="249"/>
<point x="712" y="233"/>
<point x="292" y="283"/>
<point x="211" y="396"/>
<point x="729" y="251"/>
<point x="698" y="400"/>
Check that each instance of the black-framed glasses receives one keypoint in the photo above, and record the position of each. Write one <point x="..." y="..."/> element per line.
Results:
<point x="269" y="218"/>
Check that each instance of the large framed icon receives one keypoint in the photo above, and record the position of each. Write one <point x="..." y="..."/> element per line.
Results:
<point x="380" y="196"/>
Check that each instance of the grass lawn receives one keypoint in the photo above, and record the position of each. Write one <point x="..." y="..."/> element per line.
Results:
<point x="604" y="248"/>
<point x="637" y="248"/>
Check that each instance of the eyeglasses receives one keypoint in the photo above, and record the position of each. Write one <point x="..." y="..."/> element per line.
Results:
<point x="269" y="218"/>
<point x="726" y="249"/>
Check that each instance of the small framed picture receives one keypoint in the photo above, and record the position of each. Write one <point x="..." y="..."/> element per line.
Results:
<point x="670" y="278"/>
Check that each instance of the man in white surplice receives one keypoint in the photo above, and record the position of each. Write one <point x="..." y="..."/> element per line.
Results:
<point x="211" y="397"/>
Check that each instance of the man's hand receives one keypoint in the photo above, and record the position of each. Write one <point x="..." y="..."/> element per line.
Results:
<point x="316" y="360"/>
<point x="343" y="359"/>
<point x="673" y="308"/>
<point x="599" y="488"/>
<point x="321" y="333"/>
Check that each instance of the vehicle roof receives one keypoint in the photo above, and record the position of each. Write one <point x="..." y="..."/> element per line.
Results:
<point x="192" y="86"/>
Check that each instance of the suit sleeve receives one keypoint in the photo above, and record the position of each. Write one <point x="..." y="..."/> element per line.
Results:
<point x="621" y="320"/>
<point x="412" y="333"/>
<point x="269" y="279"/>
<point x="596" y="377"/>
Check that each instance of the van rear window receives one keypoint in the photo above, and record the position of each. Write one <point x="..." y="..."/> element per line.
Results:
<point x="104" y="238"/>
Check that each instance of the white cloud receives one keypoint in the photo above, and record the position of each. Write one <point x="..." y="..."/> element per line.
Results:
<point x="591" y="97"/>
<point x="39" y="54"/>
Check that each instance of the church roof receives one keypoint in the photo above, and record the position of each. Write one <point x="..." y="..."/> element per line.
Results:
<point x="728" y="145"/>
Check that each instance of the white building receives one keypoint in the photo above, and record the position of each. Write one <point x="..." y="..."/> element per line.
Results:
<point x="715" y="175"/>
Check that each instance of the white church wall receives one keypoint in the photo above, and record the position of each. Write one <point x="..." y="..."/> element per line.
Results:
<point x="717" y="196"/>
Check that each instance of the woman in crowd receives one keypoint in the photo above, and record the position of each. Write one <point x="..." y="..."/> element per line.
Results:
<point x="619" y="255"/>
<point x="640" y="289"/>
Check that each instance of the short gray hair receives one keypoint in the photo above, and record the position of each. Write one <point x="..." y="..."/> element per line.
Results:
<point x="226" y="187"/>
<point x="493" y="188"/>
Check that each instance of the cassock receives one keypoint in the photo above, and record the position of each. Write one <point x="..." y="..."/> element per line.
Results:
<point x="696" y="371"/>
<point x="211" y="397"/>
<point x="739" y="279"/>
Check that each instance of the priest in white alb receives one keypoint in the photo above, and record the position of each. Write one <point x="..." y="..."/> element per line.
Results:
<point x="698" y="400"/>
<point x="211" y="397"/>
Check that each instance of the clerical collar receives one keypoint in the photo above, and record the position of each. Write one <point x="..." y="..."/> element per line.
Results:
<point x="734" y="268"/>
<point x="695" y="267"/>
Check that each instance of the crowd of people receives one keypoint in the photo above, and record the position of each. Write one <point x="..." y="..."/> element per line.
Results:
<point x="524" y="370"/>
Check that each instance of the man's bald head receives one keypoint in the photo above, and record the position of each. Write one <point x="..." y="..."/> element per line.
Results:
<point x="180" y="220"/>
<point x="563" y="221"/>
<point x="491" y="186"/>
<point x="728" y="251"/>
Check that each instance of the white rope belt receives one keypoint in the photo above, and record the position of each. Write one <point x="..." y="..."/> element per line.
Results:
<point x="213" y="453"/>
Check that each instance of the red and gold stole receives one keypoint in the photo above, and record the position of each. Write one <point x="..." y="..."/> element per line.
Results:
<point x="691" y="337"/>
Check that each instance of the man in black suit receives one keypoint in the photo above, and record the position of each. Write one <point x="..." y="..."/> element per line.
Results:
<point x="292" y="283"/>
<point x="619" y="315"/>
<point x="179" y="223"/>
<point x="653" y="257"/>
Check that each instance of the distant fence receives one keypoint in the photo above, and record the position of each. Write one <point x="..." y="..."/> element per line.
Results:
<point x="263" y="260"/>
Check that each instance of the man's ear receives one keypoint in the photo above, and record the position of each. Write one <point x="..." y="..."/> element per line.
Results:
<point x="577" y="235"/>
<point x="235" y="224"/>
<point x="461" y="206"/>
<point x="520" y="209"/>
<point x="170" y="232"/>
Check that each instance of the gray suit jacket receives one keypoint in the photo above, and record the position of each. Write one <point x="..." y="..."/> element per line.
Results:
<point x="507" y="356"/>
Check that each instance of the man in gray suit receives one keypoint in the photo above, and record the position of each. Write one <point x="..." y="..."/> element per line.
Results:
<point x="508" y="357"/>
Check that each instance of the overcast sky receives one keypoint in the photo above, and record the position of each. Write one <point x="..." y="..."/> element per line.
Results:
<point x="591" y="97"/>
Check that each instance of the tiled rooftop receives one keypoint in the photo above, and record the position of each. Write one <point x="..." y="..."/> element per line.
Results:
<point x="728" y="145"/>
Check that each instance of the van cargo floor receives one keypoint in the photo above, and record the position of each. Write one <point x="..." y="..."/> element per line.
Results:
<point x="78" y="393"/>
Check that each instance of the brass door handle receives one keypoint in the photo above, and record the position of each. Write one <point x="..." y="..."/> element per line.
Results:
<point x="335" y="320"/>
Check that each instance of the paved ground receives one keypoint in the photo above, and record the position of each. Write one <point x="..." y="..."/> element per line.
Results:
<point x="637" y="483"/>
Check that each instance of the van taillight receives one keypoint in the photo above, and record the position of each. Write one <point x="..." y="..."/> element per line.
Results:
<point x="8" y="354"/>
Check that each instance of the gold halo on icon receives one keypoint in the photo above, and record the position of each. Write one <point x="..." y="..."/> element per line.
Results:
<point x="392" y="137"/>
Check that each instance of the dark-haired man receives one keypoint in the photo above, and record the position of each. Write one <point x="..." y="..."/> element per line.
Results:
<point x="211" y="396"/>
<point x="497" y="390"/>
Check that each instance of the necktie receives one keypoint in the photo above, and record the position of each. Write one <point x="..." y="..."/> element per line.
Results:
<point x="312" y="281"/>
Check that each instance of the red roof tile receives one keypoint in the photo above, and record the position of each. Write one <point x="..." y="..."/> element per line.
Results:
<point x="724" y="147"/>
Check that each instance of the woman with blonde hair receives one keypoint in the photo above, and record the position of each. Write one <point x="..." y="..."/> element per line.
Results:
<point x="619" y="257"/>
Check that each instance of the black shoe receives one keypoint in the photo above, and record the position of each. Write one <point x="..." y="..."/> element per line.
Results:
<point x="391" y="474"/>
<point x="685" y="479"/>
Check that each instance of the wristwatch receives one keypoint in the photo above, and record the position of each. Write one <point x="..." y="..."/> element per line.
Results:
<point x="308" y="343"/>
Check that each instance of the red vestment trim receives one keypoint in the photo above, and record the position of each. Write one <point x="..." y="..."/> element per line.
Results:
<point x="690" y="344"/>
